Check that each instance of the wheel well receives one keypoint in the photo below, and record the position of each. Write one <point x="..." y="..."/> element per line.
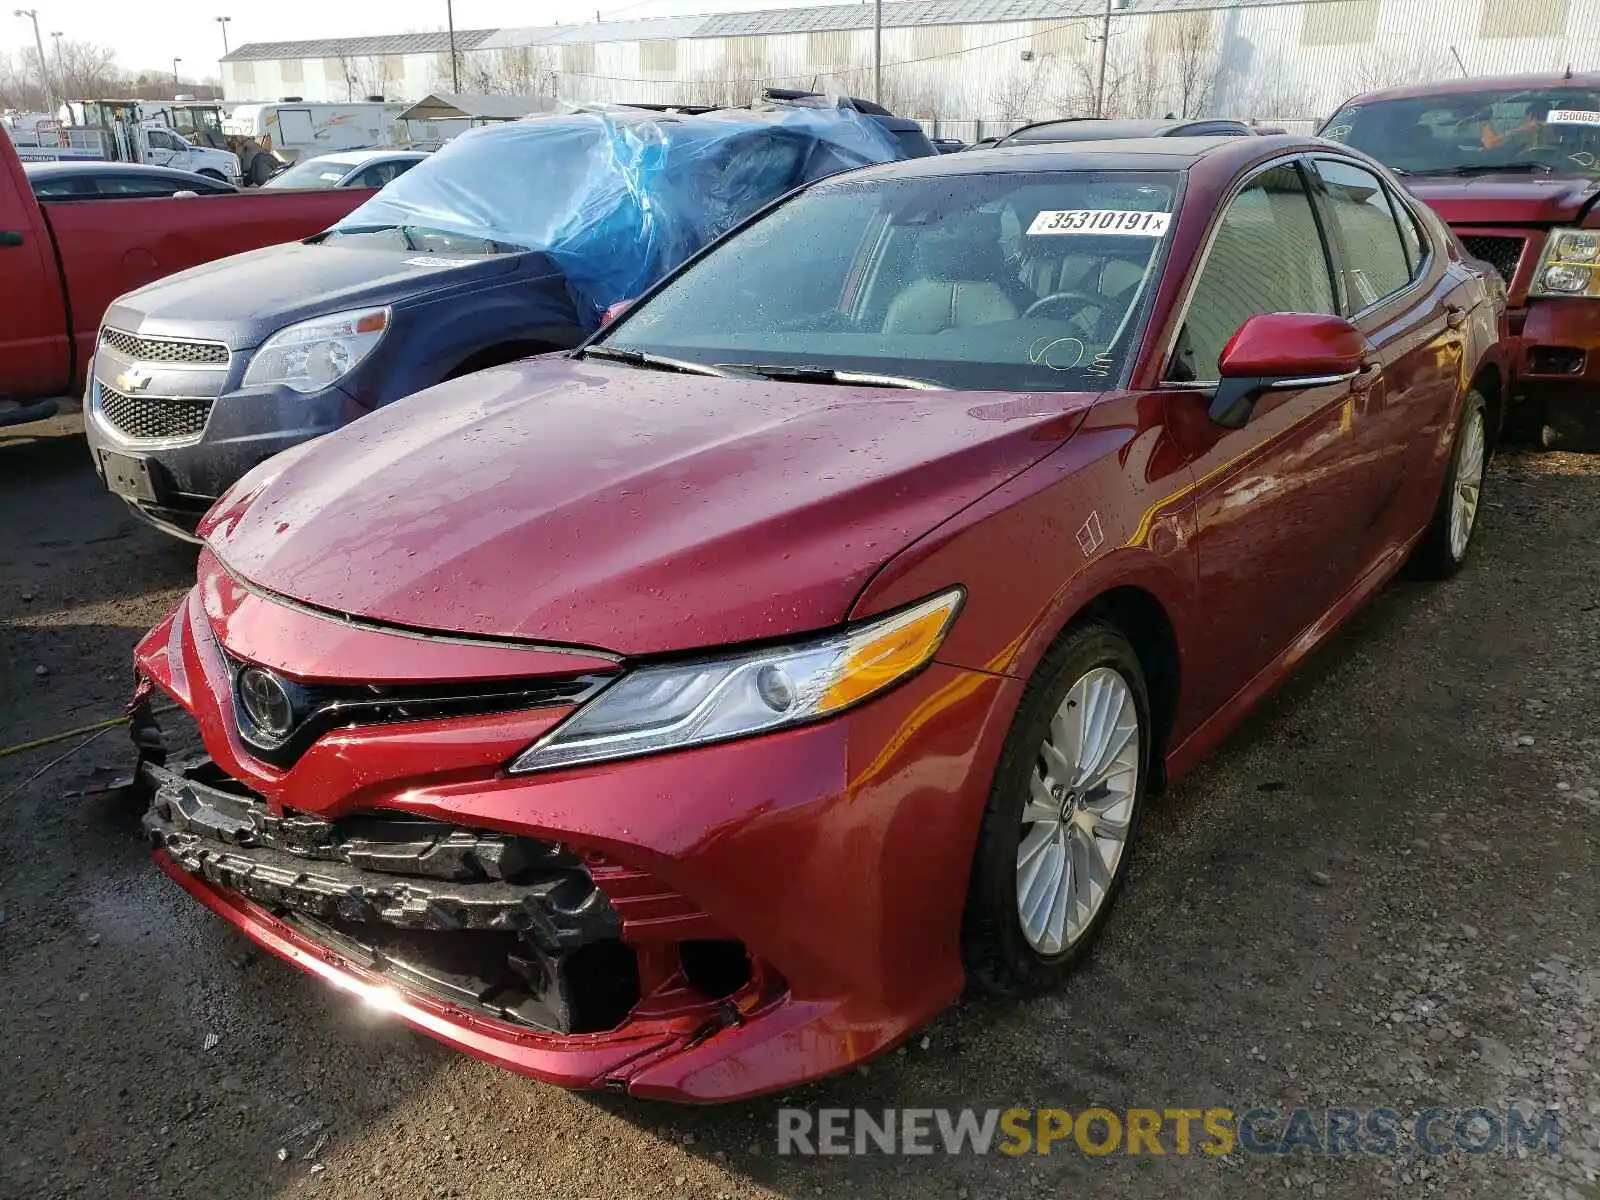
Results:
<point x="1488" y="383"/>
<point x="494" y="356"/>
<point x="1140" y="618"/>
<point x="211" y="174"/>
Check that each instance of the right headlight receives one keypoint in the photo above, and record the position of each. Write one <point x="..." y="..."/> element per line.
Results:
<point x="1569" y="264"/>
<point x="672" y="706"/>
<point x="316" y="354"/>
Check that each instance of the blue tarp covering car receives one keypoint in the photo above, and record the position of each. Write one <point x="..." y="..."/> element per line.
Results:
<point x="510" y="241"/>
<point x="622" y="195"/>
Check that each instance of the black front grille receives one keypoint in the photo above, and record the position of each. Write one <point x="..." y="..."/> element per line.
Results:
<point x="318" y="708"/>
<point x="1501" y="253"/>
<point x="163" y="350"/>
<point x="153" y="416"/>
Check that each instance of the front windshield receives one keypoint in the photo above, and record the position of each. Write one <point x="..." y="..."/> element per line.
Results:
<point x="311" y="173"/>
<point x="1009" y="282"/>
<point x="1539" y="130"/>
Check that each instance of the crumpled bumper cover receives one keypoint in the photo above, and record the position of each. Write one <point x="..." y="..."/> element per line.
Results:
<point x="421" y="876"/>
<point x="789" y="905"/>
<point x="510" y="926"/>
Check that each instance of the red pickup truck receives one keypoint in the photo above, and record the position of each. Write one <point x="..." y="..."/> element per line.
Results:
<point x="63" y="262"/>
<point x="1512" y="164"/>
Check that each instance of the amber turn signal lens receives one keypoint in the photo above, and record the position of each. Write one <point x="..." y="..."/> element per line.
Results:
<point x="880" y="655"/>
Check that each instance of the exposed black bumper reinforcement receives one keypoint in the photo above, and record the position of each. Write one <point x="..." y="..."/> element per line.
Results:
<point x="512" y="925"/>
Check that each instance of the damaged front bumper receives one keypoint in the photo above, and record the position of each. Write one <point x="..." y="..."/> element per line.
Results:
<point x="511" y="926"/>
<point x="700" y="926"/>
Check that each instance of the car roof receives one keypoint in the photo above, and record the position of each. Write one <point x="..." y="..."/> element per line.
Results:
<point x="357" y="158"/>
<point x="1486" y="83"/>
<point x="1148" y="154"/>
<point x="1092" y="129"/>
<point x="95" y="166"/>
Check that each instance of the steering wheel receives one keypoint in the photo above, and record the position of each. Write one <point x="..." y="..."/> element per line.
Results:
<point x="1090" y="299"/>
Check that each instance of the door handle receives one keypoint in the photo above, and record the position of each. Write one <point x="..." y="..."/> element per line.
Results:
<point x="10" y="237"/>
<point x="1455" y="316"/>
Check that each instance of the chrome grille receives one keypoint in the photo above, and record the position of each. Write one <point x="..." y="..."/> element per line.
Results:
<point x="153" y="416"/>
<point x="1501" y="253"/>
<point x="164" y="350"/>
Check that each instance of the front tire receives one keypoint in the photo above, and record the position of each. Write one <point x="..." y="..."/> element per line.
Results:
<point x="1063" y="811"/>
<point x="1445" y="545"/>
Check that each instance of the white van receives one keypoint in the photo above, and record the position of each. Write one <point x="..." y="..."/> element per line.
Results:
<point x="288" y="130"/>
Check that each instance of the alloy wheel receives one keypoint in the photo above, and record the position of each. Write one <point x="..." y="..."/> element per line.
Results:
<point x="1079" y="811"/>
<point x="1468" y="482"/>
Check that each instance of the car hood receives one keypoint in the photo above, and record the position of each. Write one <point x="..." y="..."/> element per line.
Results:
<point x="241" y="299"/>
<point x="1504" y="199"/>
<point x="575" y="503"/>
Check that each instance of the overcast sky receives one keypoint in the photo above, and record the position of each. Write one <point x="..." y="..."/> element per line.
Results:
<point x="145" y="36"/>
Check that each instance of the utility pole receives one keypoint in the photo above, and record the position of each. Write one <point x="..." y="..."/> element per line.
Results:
<point x="223" y="21"/>
<point x="455" y="71"/>
<point x="44" y="71"/>
<point x="877" y="51"/>
<point x="1100" y="79"/>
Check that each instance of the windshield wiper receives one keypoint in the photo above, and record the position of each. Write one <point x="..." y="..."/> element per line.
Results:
<point x="808" y="374"/>
<point x="1516" y="168"/>
<point x="655" y="362"/>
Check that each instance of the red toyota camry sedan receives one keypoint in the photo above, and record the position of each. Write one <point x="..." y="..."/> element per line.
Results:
<point x="694" y="713"/>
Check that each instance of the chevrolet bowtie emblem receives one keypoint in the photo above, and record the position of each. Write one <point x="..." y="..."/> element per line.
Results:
<point x="134" y="379"/>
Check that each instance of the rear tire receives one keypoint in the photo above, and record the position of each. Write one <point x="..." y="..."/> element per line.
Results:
<point x="1448" y="540"/>
<point x="1062" y="816"/>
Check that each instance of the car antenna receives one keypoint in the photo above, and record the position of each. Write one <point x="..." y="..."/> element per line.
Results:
<point x="1569" y="71"/>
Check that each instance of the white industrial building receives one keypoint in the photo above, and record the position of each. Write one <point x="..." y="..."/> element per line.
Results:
<point x="958" y="62"/>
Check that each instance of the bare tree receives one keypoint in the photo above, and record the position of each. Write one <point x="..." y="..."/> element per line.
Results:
<point x="1383" y="69"/>
<point x="514" y="71"/>
<point x="369" y="75"/>
<point x="1015" y="98"/>
<point x="719" y="90"/>
<point x="1124" y="93"/>
<point x="347" y="69"/>
<point x="1273" y="96"/>
<point x="84" y="71"/>
<point x="1195" y="61"/>
<point x="20" y="82"/>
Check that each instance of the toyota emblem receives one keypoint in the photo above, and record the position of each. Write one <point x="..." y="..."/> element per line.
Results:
<point x="267" y="703"/>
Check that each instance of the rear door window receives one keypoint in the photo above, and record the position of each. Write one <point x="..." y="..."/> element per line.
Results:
<point x="1267" y="256"/>
<point x="1374" y="259"/>
<point x="138" y="185"/>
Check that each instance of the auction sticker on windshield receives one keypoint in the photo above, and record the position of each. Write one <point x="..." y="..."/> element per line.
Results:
<point x="1572" y="116"/>
<point x="1126" y="222"/>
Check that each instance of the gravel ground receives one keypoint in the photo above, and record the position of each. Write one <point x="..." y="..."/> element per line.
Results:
<point x="1382" y="892"/>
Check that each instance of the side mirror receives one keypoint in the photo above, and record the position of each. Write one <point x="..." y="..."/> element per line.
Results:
<point x="1282" y="351"/>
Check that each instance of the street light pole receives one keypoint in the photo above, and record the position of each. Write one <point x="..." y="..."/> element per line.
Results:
<point x="175" y="63"/>
<point x="450" y="18"/>
<point x="877" y="51"/>
<point x="223" y="21"/>
<point x="44" y="71"/>
<point x="1100" y="79"/>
